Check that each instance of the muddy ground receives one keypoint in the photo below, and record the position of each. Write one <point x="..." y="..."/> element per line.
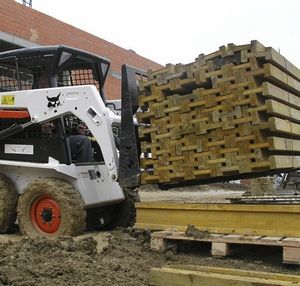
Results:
<point x="122" y="256"/>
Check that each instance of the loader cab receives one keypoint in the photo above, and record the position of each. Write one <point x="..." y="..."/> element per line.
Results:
<point x="46" y="67"/>
<point x="53" y="66"/>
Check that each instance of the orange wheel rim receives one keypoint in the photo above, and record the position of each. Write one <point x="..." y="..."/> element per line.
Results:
<point x="45" y="214"/>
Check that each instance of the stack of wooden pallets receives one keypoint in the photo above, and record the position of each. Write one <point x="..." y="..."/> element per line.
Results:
<point x="235" y="111"/>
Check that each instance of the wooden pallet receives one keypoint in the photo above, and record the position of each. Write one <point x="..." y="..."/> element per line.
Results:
<point x="221" y="243"/>
<point x="228" y="113"/>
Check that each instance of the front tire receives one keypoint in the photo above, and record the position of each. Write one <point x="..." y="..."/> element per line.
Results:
<point x="8" y="204"/>
<point x="51" y="207"/>
<point x="125" y="214"/>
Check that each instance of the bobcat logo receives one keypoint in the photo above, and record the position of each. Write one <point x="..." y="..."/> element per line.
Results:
<point x="54" y="101"/>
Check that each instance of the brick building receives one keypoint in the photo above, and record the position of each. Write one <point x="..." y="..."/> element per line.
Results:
<point x="21" y="26"/>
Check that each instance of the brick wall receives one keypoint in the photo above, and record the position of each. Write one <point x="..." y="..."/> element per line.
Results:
<point x="42" y="29"/>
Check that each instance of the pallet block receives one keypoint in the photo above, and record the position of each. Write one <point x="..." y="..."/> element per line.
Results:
<point x="220" y="249"/>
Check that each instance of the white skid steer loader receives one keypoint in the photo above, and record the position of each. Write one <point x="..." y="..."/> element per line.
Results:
<point x="47" y="181"/>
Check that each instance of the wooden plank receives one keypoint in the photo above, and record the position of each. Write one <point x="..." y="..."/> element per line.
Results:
<point x="281" y="79"/>
<point x="251" y="237"/>
<point x="291" y="242"/>
<point x="282" y="110"/>
<point x="283" y="126"/>
<point x="240" y="272"/>
<point x="253" y="220"/>
<point x="284" y="162"/>
<point x="272" y="239"/>
<point x="281" y="62"/>
<point x="201" y="275"/>
<point x="291" y="239"/>
<point x="271" y="91"/>
<point x="216" y="235"/>
<point x="233" y="237"/>
<point x="283" y="144"/>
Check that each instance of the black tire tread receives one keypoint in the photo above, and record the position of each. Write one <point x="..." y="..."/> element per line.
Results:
<point x="125" y="215"/>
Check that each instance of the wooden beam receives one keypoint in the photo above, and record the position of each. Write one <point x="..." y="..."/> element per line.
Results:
<point x="283" y="126"/>
<point x="191" y="275"/>
<point x="282" y="110"/>
<point x="284" y="161"/>
<point x="281" y="78"/>
<point x="265" y="220"/>
<point x="272" y="56"/>
<point x="283" y="144"/>
<point x="272" y="91"/>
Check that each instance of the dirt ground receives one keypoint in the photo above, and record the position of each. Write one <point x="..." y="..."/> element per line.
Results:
<point x="122" y="256"/>
<point x="214" y="193"/>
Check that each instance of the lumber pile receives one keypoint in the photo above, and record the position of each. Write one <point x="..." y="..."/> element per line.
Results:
<point x="235" y="111"/>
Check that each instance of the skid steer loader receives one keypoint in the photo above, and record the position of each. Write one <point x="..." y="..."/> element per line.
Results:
<point x="43" y="183"/>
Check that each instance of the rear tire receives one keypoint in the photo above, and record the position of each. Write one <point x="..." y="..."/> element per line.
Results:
<point x="8" y="204"/>
<point x="51" y="207"/>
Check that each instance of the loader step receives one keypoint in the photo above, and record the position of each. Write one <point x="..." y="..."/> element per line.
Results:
<point x="221" y="244"/>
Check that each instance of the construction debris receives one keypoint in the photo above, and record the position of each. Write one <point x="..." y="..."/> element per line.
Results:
<point x="235" y="111"/>
<point x="196" y="233"/>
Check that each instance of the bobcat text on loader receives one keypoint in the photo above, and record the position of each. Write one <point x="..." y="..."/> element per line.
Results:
<point x="43" y="183"/>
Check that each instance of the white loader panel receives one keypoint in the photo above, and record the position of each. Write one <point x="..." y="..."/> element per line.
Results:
<point x="82" y="101"/>
<point x="92" y="181"/>
<point x="96" y="187"/>
<point x="97" y="183"/>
